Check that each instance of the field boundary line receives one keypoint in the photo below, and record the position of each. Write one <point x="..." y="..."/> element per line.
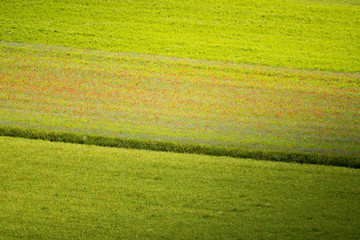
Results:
<point x="295" y="157"/>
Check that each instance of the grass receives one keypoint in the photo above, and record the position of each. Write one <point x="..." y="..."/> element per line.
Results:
<point x="182" y="101"/>
<point x="295" y="157"/>
<point x="60" y="190"/>
<point x="201" y="77"/>
<point x="295" y="34"/>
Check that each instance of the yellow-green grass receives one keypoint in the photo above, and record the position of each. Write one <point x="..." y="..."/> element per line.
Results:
<point x="146" y="97"/>
<point x="69" y="191"/>
<point x="302" y="34"/>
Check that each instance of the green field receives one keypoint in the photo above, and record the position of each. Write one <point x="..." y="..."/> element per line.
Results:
<point x="253" y="79"/>
<point x="297" y="34"/>
<point x="69" y="191"/>
<point x="146" y="97"/>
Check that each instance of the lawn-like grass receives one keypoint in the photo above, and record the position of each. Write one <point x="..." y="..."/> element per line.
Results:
<point x="147" y="97"/>
<point x="69" y="191"/>
<point x="299" y="34"/>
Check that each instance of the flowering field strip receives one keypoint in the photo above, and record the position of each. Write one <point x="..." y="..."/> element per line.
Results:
<point x="71" y="191"/>
<point x="147" y="97"/>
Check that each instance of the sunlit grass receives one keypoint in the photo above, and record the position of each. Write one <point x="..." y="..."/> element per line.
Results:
<point x="179" y="100"/>
<point x="183" y="76"/>
<point x="297" y="34"/>
<point x="69" y="191"/>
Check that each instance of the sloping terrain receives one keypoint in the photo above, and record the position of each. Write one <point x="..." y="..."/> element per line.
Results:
<point x="252" y="79"/>
<point x="134" y="96"/>
<point x="303" y="34"/>
<point x="71" y="191"/>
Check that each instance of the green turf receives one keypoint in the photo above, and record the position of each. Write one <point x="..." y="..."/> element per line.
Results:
<point x="147" y="97"/>
<point x="298" y="34"/>
<point x="68" y="191"/>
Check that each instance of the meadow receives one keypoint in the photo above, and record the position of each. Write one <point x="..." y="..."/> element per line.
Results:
<point x="244" y="81"/>
<point x="71" y="191"/>
<point x="181" y="101"/>
<point x="301" y="34"/>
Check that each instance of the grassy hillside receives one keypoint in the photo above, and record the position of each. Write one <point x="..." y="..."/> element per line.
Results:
<point x="68" y="191"/>
<point x="154" y="98"/>
<point x="210" y="77"/>
<point x="128" y="89"/>
<point x="298" y="34"/>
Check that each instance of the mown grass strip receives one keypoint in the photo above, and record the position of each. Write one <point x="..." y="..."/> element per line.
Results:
<point x="309" y="158"/>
